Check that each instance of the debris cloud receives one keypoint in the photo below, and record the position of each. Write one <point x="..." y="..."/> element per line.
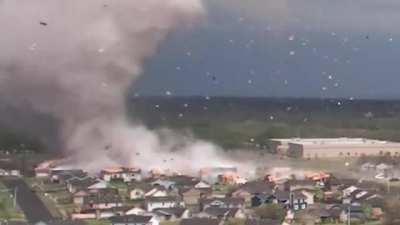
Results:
<point x="75" y="60"/>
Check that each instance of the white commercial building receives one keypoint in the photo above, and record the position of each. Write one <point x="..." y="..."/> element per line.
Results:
<point x="332" y="147"/>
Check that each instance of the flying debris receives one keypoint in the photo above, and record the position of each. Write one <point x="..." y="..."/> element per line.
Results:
<point x="33" y="47"/>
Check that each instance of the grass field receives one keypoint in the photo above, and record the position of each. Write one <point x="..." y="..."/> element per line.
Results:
<point x="7" y="209"/>
<point x="232" y="122"/>
<point x="97" y="222"/>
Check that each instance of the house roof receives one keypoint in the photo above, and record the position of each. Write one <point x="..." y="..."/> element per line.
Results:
<point x="82" y="182"/>
<point x="290" y="183"/>
<point x="216" y="211"/>
<point x="161" y="199"/>
<point x="62" y="222"/>
<point x="317" y="210"/>
<point x="177" y="212"/>
<point x="120" y="170"/>
<point x="142" y="186"/>
<point x="200" y="221"/>
<point x="226" y="200"/>
<point x="102" y="197"/>
<point x="186" y="190"/>
<point x="72" y="173"/>
<point x="131" y="219"/>
<point x="285" y="195"/>
<point x="262" y="222"/>
<point x="9" y="165"/>
<point x="257" y="187"/>
<point x="183" y="180"/>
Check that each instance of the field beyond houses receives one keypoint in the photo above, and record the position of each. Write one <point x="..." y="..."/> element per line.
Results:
<point x="243" y="122"/>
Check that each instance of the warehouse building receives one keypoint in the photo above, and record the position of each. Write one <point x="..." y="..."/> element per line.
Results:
<point x="332" y="147"/>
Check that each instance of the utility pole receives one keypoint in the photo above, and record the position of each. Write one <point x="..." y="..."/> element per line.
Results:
<point x="348" y="215"/>
<point x="15" y="197"/>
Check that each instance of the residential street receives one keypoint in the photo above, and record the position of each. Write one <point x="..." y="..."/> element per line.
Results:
<point x="27" y="200"/>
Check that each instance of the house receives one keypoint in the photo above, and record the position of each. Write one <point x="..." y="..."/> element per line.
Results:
<point x="184" y="181"/>
<point x="260" y="199"/>
<point x="251" y="191"/>
<point x="172" y="214"/>
<point x="315" y="214"/>
<point x="383" y="168"/>
<point x="152" y="203"/>
<point x="134" y="220"/>
<point x="76" y="184"/>
<point x="62" y="222"/>
<point x="262" y="222"/>
<point x="44" y="168"/>
<point x="356" y="213"/>
<point x="309" y="196"/>
<point x="348" y="190"/>
<point x="192" y="196"/>
<point x="78" y="197"/>
<point x="167" y="184"/>
<point x="292" y="185"/>
<point x="97" y="213"/>
<point x="62" y="176"/>
<point x="135" y="211"/>
<point x="335" y="184"/>
<point x="200" y="221"/>
<point x="222" y="213"/>
<point x="9" y="168"/>
<point x="214" y="213"/>
<point x="295" y="200"/>
<point x="202" y="185"/>
<point x="139" y="191"/>
<point x="102" y="200"/>
<point x="368" y="166"/>
<point x="124" y="174"/>
<point x="227" y="202"/>
<point x="42" y="173"/>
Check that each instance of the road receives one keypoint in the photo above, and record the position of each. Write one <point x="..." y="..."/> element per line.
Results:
<point x="28" y="201"/>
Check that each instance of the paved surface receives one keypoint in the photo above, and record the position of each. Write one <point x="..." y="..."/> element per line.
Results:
<point x="27" y="200"/>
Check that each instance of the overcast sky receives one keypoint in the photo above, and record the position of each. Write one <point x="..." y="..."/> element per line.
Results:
<point x="282" y="48"/>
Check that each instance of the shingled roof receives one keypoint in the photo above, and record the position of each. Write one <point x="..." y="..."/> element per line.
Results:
<point x="200" y="221"/>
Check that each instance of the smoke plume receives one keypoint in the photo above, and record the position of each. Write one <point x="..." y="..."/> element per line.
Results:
<point x="75" y="60"/>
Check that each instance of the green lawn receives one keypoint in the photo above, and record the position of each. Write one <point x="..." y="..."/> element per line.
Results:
<point x="97" y="222"/>
<point x="7" y="209"/>
<point x="169" y="223"/>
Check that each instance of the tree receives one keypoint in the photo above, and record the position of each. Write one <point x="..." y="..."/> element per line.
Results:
<point x="271" y="211"/>
<point x="392" y="216"/>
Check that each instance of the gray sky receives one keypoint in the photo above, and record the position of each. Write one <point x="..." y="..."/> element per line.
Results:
<point x="280" y="48"/>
